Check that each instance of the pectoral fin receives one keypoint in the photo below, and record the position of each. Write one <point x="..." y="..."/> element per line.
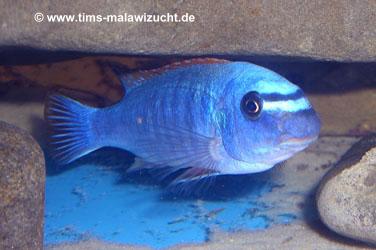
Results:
<point x="170" y="150"/>
<point x="180" y="148"/>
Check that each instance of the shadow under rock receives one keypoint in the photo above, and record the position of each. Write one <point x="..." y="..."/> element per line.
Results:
<point x="38" y="131"/>
<point x="312" y="75"/>
<point x="23" y="55"/>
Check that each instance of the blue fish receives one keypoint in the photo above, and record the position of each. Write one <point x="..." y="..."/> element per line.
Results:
<point x="200" y="117"/>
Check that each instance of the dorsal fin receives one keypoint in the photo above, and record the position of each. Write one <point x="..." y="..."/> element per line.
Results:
<point x="137" y="78"/>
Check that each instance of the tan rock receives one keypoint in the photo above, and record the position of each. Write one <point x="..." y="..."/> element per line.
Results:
<point x="346" y="198"/>
<point x="333" y="30"/>
<point x="22" y="178"/>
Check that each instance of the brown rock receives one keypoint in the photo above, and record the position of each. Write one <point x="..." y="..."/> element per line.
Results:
<point x="333" y="30"/>
<point x="22" y="178"/>
<point x="346" y="198"/>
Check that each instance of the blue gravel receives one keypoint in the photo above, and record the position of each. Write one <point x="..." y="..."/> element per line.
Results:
<point x="94" y="198"/>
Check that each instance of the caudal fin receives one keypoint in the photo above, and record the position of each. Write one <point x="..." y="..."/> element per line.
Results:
<point x="70" y="122"/>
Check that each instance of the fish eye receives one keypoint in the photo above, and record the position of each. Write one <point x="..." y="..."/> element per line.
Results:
<point x="251" y="105"/>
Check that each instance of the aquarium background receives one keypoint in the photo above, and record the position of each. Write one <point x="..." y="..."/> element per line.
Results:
<point x="94" y="204"/>
<point x="328" y="48"/>
<point x="93" y="200"/>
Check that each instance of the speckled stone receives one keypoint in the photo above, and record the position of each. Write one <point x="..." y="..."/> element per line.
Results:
<point x="346" y="198"/>
<point x="333" y="30"/>
<point x="22" y="179"/>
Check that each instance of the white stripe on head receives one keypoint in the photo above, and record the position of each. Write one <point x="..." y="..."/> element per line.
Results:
<point x="275" y="87"/>
<point x="287" y="106"/>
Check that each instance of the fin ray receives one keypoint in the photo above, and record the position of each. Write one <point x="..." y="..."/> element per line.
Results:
<point x="69" y="124"/>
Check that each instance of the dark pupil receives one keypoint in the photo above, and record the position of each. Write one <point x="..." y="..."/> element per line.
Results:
<point x="251" y="105"/>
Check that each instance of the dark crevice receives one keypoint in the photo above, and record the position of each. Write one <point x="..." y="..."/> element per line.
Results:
<point x="312" y="75"/>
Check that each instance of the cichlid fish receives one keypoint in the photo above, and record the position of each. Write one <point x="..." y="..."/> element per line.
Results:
<point x="203" y="117"/>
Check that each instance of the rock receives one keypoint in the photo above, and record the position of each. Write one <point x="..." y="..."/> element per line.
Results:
<point x="346" y="198"/>
<point x="22" y="178"/>
<point x="330" y="30"/>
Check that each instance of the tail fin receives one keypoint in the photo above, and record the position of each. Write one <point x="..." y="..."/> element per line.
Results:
<point x="70" y="127"/>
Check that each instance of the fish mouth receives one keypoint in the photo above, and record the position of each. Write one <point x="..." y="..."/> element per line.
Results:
<point x="298" y="141"/>
<point x="288" y="148"/>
